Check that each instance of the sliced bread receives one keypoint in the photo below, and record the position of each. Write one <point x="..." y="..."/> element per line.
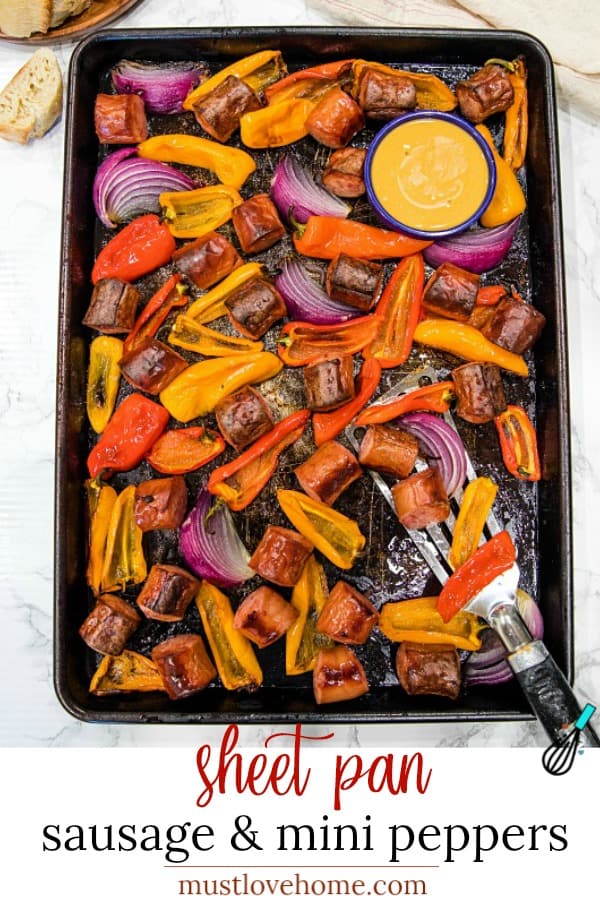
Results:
<point x="20" y="18"/>
<point x="32" y="101"/>
<point x="63" y="9"/>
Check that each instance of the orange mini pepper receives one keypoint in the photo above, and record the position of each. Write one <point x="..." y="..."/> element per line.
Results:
<point x="325" y="237"/>
<point x="172" y="294"/>
<point x="431" y="398"/>
<point x="518" y="443"/>
<point x="398" y="313"/>
<point x="302" y="344"/>
<point x="490" y="295"/>
<point x="309" y="83"/>
<point x="182" y="450"/>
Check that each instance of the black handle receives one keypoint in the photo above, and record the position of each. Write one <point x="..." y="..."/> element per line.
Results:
<point x="548" y="692"/>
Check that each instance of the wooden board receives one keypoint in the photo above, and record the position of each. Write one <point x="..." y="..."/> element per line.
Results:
<point x="100" y="13"/>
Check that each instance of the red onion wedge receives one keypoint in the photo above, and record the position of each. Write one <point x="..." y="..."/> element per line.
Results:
<point x="127" y="186"/>
<point x="306" y="301"/>
<point x="164" y="87"/>
<point x="477" y="251"/>
<point x="441" y="444"/>
<point x="296" y="194"/>
<point x="488" y="665"/>
<point x="211" y="546"/>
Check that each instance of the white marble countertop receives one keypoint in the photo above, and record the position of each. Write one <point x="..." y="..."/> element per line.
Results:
<point x="30" y="714"/>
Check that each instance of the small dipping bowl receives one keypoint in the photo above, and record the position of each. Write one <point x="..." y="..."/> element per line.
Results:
<point x="429" y="174"/>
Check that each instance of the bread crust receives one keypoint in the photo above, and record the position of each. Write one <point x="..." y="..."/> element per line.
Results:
<point x="32" y="100"/>
<point x="22" y="18"/>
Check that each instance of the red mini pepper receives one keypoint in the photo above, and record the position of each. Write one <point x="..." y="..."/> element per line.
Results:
<point x="139" y="248"/>
<point x="435" y="397"/>
<point x="518" y="443"/>
<point x="241" y="480"/>
<point x="136" y="424"/>
<point x="326" y="426"/>
<point x="490" y="560"/>
<point x="398" y="313"/>
<point x="184" y="450"/>
<point x="325" y="237"/>
<point x="490" y="295"/>
<point x="172" y="294"/>
<point x="301" y="82"/>
<point x="302" y="344"/>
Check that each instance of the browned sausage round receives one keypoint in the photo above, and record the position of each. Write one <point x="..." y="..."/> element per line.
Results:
<point x="120" y="119"/>
<point x="329" y="384"/>
<point x="347" y="617"/>
<point x="254" y="307"/>
<point x="338" y="675"/>
<point x="428" y="669"/>
<point x="280" y="556"/>
<point x="243" y="417"/>
<point x="343" y="175"/>
<point x="479" y="391"/>
<point x="356" y="282"/>
<point x="207" y="260"/>
<point x="109" y="625"/>
<point x="389" y="450"/>
<point x="451" y="292"/>
<point x="264" y="616"/>
<point x="335" y="119"/>
<point x="112" y="307"/>
<point x="486" y="92"/>
<point x="257" y="224"/>
<point x="421" y="500"/>
<point x="514" y="325"/>
<point x="160" y="503"/>
<point x="151" y="366"/>
<point x="383" y="95"/>
<point x="219" y="112"/>
<point x="184" y="665"/>
<point x="328" y="472"/>
<point x="167" y="593"/>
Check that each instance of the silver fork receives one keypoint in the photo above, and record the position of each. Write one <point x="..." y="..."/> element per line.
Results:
<point x="547" y="690"/>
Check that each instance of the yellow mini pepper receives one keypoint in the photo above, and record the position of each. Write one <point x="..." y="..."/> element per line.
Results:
<point x="508" y="200"/>
<point x="475" y="506"/>
<point x="335" y="535"/>
<point x="200" y="387"/>
<point x="232" y="652"/>
<point x="211" y="305"/>
<point x="231" y="165"/>
<point x="191" y="335"/>
<point x="432" y="93"/>
<point x="124" y="561"/>
<point x="130" y="671"/>
<point x="101" y="499"/>
<point x="104" y="376"/>
<point x="418" y="620"/>
<point x="302" y="640"/>
<point x="277" y="125"/>
<point x="190" y="214"/>
<point x="257" y="71"/>
<point x="468" y="343"/>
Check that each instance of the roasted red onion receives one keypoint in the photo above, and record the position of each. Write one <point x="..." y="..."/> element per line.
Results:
<point x="442" y="446"/>
<point x="211" y="546"/>
<point x="477" y="250"/>
<point x="295" y="193"/>
<point x="306" y="301"/>
<point x="127" y="186"/>
<point x="164" y="87"/>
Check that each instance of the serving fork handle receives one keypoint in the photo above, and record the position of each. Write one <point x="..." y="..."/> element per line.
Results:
<point x="548" y="691"/>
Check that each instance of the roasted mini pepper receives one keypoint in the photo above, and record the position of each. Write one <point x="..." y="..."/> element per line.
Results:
<point x="200" y="387"/>
<point x="128" y="672"/>
<point x="258" y="71"/>
<point x="302" y="344"/>
<point x="490" y="560"/>
<point x="124" y="561"/>
<point x="518" y="443"/>
<point x="190" y="214"/>
<point x="326" y="426"/>
<point x="325" y="237"/>
<point x="397" y="313"/>
<point x="516" y="123"/>
<point x="418" y="620"/>
<point x="309" y="83"/>
<point x="508" y="200"/>
<point x="335" y="535"/>
<point x="240" y="481"/>
<point x="302" y="640"/>
<point x="475" y="506"/>
<point x="139" y="248"/>
<point x="104" y="376"/>
<point x="101" y="499"/>
<point x="137" y="423"/>
<point x="182" y="450"/>
<point x="230" y="165"/>
<point x="468" y="343"/>
<point x="189" y="334"/>
<point x="232" y="652"/>
<point x="211" y="305"/>
<point x="435" y="397"/>
<point x="490" y="295"/>
<point x="277" y="125"/>
<point x="432" y="93"/>
<point x="171" y="295"/>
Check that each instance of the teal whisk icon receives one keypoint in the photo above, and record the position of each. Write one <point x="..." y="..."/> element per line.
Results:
<point x="559" y="757"/>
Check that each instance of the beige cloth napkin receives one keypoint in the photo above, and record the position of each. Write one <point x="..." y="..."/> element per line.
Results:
<point x="570" y="30"/>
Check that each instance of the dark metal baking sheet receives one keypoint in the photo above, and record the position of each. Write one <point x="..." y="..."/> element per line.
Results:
<point x="538" y="515"/>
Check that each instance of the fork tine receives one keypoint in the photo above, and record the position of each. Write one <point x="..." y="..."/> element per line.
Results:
<point x="432" y="543"/>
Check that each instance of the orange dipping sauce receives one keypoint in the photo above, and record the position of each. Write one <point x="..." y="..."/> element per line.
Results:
<point x="429" y="174"/>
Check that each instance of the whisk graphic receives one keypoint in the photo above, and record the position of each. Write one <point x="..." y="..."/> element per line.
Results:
<point x="558" y="758"/>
